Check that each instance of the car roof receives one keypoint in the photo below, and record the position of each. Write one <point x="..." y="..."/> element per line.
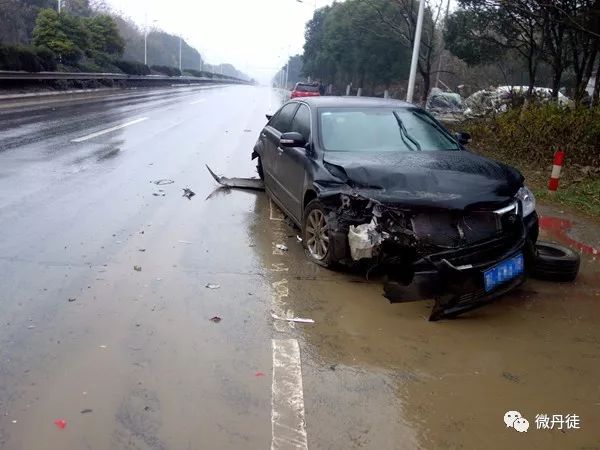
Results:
<point x="351" y="102"/>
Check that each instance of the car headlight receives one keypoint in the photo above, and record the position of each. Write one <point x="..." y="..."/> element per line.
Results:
<point x="527" y="200"/>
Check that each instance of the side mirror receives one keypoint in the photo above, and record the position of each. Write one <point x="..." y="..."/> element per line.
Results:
<point x="463" y="138"/>
<point x="292" y="139"/>
<point x="269" y="116"/>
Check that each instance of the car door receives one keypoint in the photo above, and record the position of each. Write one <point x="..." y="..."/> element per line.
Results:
<point x="279" y="124"/>
<point x="291" y="164"/>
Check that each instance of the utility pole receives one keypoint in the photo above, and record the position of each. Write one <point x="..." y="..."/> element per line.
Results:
<point x="415" y="56"/>
<point x="287" y="73"/>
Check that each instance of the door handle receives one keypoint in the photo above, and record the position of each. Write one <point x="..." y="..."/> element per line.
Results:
<point x="280" y="150"/>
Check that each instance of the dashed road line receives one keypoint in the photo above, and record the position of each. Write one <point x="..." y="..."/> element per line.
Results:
<point x="109" y="130"/>
<point x="271" y="216"/>
<point x="287" y="401"/>
<point x="202" y="100"/>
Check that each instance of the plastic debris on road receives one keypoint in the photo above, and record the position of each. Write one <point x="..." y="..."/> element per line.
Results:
<point x="60" y="423"/>
<point x="298" y="238"/>
<point x="72" y="299"/>
<point x="137" y="268"/>
<point x="259" y="374"/>
<point x="188" y="193"/>
<point x="215" y="319"/>
<point x="163" y="181"/>
<point x="185" y="242"/>
<point x="291" y="319"/>
<point x="213" y="286"/>
<point x="240" y="183"/>
<point x="282" y="247"/>
<point x="87" y="411"/>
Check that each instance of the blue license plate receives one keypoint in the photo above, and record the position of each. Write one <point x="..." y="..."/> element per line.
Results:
<point x="503" y="272"/>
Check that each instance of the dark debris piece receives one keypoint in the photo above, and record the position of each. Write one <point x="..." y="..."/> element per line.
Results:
<point x="188" y="193"/>
<point x="215" y="319"/>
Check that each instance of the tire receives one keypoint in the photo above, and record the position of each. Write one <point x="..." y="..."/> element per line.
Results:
<point x="259" y="169"/>
<point x="315" y="234"/>
<point x="555" y="262"/>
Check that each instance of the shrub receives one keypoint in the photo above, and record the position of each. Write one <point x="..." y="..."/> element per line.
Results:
<point x="166" y="70"/>
<point x="133" y="67"/>
<point x="47" y="59"/>
<point x="29" y="59"/>
<point x="532" y="134"/>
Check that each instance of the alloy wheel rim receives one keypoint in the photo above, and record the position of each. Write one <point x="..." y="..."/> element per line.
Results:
<point x="317" y="234"/>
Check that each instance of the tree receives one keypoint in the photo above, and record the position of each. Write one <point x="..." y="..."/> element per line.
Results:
<point x="349" y="43"/>
<point x="400" y="18"/>
<point x="104" y="35"/>
<point x="49" y="32"/>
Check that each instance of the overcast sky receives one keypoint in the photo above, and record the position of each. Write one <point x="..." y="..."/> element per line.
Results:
<point x="254" y="35"/>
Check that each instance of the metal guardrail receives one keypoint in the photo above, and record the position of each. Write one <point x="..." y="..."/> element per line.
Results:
<point x="17" y="75"/>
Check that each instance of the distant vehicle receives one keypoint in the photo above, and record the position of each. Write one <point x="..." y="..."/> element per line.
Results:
<point x="382" y="181"/>
<point x="306" y="90"/>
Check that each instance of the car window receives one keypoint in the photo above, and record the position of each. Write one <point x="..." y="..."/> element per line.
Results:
<point x="307" y="87"/>
<point x="281" y="121"/>
<point x="382" y="129"/>
<point x="301" y="122"/>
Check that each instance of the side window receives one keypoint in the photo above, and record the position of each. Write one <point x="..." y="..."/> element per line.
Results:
<point x="301" y="122"/>
<point x="281" y="122"/>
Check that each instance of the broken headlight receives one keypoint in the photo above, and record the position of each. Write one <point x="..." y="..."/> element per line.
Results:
<point x="527" y="200"/>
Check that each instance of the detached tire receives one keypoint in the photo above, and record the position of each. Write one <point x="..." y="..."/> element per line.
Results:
<point x="315" y="234"/>
<point x="555" y="262"/>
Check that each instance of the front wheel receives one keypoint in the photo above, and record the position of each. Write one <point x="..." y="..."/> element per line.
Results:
<point x="315" y="234"/>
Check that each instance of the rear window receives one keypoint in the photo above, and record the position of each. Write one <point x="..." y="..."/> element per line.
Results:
<point x="307" y="88"/>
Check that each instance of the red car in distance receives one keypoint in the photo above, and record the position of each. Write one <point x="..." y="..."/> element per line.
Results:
<point x="306" y="90"/>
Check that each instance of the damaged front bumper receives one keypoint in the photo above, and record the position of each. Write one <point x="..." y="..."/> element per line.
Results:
<point x="421" y="267"/>
<point x="455" y="279"/>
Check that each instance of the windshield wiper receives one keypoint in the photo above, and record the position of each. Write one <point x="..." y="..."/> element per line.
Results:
<point x="425" y="118"/>
<point x="404" y="134"/>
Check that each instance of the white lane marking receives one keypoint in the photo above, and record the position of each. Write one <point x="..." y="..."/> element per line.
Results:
<point x="278" y="305"/>
<point x="287" y="400"/>
<point x="109" y="130"/>
<point x="271" y="216"/>
<point x="202" y="100"/>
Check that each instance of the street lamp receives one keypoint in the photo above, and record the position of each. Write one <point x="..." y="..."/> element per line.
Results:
<point x="179" y="53"/>
<point x="146" y="39"/>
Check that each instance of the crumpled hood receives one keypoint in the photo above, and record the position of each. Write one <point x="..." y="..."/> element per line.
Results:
<point x="441" y="179"/>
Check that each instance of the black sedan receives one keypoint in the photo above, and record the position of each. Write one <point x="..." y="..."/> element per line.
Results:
<point x="381" y="182"/>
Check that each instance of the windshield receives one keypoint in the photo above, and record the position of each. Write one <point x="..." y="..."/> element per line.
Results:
<point x="382" y="130"/>
<point x="307" y="88"/>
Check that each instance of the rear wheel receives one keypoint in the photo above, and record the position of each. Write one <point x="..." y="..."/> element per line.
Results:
<point x="555" y="262"/>
<point x="315" y="234"/>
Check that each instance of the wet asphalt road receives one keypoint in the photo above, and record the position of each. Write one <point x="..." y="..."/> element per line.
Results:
<point x="131" y="360"/>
